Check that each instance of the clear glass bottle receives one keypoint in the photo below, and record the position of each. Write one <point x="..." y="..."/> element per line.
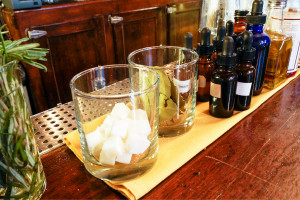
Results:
<point x="216" y="13"/>
<point x="281" y="45"/>
<point x="291" y="26"/>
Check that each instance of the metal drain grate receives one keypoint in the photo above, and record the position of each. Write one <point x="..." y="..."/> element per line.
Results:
<point x="51" y="125"/>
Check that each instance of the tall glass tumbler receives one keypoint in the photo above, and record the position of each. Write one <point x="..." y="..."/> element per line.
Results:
<point x="116" y="110"/>
<point x="176" y="67"/>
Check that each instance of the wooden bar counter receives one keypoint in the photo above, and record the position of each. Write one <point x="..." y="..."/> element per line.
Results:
<point x="257" y="159"/>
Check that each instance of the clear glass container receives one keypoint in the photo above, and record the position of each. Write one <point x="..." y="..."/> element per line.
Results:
<point x="21" y="170"/>
<point x="291" y="26"/>
<point x="116" y="110"/>
<point x="281" y="45"/>
<point x="176" y="67"/>
<point x="216" y="13"/>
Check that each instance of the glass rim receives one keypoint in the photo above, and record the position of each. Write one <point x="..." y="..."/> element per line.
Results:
<point x="112" y="96"/>
<point x="194" y="61"/>
<point x="3" y="67"/>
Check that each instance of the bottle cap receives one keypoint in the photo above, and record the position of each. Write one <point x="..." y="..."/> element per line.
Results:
<point x="188" y="40"/>
<point x="256" y="16"/>
<point x="227" y="57"/>
<point x="218" y="42"/>
<point x="204" y="47"/>
<point x="229" y="28"/>
<point x="277" y="3"/>
<point x="246" y="52"/>
<point x="240" y="13"/>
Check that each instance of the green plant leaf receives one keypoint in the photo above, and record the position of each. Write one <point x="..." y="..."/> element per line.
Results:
<point x="23" y="47"/>
<point x="35" y="64"/>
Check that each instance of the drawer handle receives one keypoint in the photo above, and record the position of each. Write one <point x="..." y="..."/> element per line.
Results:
<point x="34" y="34"/>
<point x="115" y="19"/>
<point x="171" y="10"/>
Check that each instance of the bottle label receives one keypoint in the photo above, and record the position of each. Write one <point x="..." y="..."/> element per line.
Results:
<point x="183" y="86"/>
<point x="243" y="89"/>
<point x="291" y="26"/>
<point x="215" y="90"/>
<point x="202" y="81"/>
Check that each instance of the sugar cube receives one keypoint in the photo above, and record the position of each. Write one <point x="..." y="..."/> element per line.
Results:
<point x="113" y="146"/>
<point x="119" y="128"/>
<point x="136" y="144"/>
<point x="125" y="158"/>
<point x="97" y="149"/>
<point x="106" y="126"/>
<point x="120" y="111"/>
<point x="107" y="159"/>
<point x="138" y="114"/>
<point x="93" y="139"/>
<point x="139" y="127"/>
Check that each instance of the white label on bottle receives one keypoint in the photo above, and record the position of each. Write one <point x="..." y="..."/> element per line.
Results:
<point x="215" y="90"/>
<point x="291" y="26"/>
<point x="243" y="89"/>
<point x="295" y="56"/>
<point x="202" y="81"/>
<point x="183" y="86"/>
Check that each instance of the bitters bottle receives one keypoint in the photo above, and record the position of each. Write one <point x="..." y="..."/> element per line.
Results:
<point x="223" y="82"/>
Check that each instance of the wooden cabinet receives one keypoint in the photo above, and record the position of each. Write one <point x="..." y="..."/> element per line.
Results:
<point x="139" y="29"/>
<point x="74" y="46"/>
<point x="182" y="18"/>
<point x="85" y="34"/>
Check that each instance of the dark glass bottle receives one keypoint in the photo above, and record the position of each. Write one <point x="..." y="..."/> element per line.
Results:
<point x="223" y="82"/>
<point x="245" y="72"/>
<point x="229" y="28"/>
<point x="261" y="42"/>
<point x="239" y="25"/>
<point x="205" y="65"/>
<point x="183" y="77"/>
<point x="188" y="40"/>
<point x="218" y="43"/>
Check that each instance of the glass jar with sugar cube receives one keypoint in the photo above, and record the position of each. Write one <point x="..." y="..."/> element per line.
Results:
<point x="116" y="110"/>
<point x="176" y="67"/>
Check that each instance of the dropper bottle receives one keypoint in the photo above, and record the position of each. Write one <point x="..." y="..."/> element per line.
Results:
<point x="188" y="40"/>
<point x="245" y="72"/>
<point x="223" y="82"/>
<point x="239" y="22"/>
<point x="261" y="42"/>
<point x="229" y="28"/>
<point x="218" y="43"/>
<point x="205" y="65"/>
<point x="183" y="75"/>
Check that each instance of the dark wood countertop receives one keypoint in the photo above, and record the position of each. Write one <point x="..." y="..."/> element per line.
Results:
<point x="257" y="159"/>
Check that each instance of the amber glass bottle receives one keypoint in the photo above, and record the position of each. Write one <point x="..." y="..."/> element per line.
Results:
<point x="239" y="26"/>
<point x="218" y="43"/>
<point x="223" y="82"/>
<point x="281" y="46"/>
<point x="245" y="72"/>
<point x="205" y="65"/>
